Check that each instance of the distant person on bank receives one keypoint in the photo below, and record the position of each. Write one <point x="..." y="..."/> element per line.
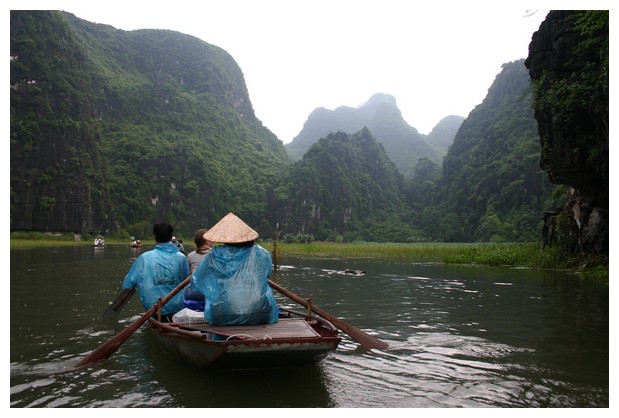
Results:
<point x="234" y="277"/>
<point x="157" y="272"/>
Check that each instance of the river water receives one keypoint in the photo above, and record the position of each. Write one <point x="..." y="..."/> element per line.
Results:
<point x="459" y="336"/>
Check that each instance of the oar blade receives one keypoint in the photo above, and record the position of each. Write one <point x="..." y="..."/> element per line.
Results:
<point x="356" y="334"/>
<point x="108" y="348"/>
<point x="361" y="337"/>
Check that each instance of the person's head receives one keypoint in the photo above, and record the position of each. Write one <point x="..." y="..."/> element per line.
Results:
<point x="198" y="238"/>
<point x="163" y="232"/>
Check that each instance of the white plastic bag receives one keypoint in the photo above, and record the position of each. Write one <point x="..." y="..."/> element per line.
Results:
<point x="188" y="316"/>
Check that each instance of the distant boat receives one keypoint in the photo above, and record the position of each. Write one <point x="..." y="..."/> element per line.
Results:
<point x="99" y="242"/>
<point x="136" y="243"/>
<point x="292" y="341"/>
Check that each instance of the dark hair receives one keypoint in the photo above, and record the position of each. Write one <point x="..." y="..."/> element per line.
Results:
<point x="198" y="238"/>
<point x="163" y="232"/>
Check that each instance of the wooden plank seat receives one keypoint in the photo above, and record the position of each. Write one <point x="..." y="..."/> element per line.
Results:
<point x="284" y="328"/>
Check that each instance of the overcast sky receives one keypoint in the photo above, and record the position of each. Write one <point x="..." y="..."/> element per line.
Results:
<point x="297" y="55"/>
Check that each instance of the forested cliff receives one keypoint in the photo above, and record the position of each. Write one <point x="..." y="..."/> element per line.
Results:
<point x="345" y="188"/>
<point x="114" y="130"/>
<point x="568" y="63"/>
<point x="58" y="172"/>
<point x="492" y="188"/>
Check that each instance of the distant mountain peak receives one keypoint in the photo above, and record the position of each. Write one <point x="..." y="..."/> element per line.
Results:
<point x="380" y="99"/>
<point x="380" y="114"/>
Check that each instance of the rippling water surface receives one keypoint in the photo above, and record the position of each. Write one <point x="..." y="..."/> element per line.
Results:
<point x="459" y="337"/>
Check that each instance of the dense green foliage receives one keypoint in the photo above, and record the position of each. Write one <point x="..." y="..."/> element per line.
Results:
<point x="154" y="125"/>
<point x="345" y="188"/>
<point x="491" y="188"/>
<point x="571" y="101"/>
<point x="568" y="64"/>
<point x="112" y="131"/>
<point x="568" y="97"/>
<point x="57" y="170"/>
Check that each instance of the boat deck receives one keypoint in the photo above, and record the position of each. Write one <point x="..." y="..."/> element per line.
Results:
<point x="284" y="328"/>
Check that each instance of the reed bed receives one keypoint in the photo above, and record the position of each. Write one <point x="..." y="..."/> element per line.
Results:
<point x="532" y="255"/>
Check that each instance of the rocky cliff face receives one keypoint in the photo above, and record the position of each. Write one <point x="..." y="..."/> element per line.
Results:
<point x="568" y="64"/>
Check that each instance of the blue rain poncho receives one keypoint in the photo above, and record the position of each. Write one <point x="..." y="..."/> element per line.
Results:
<point x="234" y="281"/>
<point x="156" y="273"/>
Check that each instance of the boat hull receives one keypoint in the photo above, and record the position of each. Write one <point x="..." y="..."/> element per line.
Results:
<point x="199" y="349"/>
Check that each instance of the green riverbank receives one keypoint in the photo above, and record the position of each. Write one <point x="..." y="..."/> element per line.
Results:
<point x="532" y="255"/>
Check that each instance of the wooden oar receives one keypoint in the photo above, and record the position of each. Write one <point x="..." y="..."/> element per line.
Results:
<point x="122" y="299"/>
<point x="108" y="348"/>
<point x="361" y="337"/>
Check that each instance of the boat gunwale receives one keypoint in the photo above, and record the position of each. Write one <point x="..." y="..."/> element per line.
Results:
<point x="173" y="330"/>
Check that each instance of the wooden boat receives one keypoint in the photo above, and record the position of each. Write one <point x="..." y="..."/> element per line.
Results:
<point x="294" y="340"/>
<point x="308" y="340"/>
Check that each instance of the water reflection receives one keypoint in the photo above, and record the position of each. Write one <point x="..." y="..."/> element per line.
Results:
<point x="299" y="387"/>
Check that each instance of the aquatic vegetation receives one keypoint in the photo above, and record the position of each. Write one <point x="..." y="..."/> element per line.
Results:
<point x="533" y="255"/>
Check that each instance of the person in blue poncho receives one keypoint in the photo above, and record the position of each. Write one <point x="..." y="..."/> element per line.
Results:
<point x="157" y="272"/>
<point x="234" y="277"/>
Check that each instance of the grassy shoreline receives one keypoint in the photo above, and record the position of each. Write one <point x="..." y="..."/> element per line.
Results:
<point x="532" y="255"/>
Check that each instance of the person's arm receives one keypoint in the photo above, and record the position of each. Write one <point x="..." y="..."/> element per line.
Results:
<point x="266" y="262"/>
<point x="131" y="279"/>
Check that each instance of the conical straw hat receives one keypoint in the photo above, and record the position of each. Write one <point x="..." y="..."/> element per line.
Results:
<point x="231" y="230"/>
